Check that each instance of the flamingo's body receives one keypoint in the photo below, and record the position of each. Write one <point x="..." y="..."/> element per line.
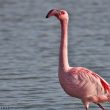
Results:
<point x="78" y="82"/>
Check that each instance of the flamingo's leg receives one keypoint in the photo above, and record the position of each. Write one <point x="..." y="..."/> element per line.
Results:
<point x="100" y="106"/>
<point x="86" y="108"/>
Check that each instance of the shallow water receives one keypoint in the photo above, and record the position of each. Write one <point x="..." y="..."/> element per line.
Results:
<point x="29" y="51"/>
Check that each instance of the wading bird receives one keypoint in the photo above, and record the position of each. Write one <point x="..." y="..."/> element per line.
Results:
<point x="78" y="82"/>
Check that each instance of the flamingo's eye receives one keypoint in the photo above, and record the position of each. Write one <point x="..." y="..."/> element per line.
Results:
<point x="62" y="12"/>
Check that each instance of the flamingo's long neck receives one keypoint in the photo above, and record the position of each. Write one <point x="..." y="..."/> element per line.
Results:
<point x="63" y="54"/>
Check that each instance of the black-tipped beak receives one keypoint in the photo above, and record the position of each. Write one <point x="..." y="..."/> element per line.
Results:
<point x="51" y="13"/>
<point x="47" y="16"/>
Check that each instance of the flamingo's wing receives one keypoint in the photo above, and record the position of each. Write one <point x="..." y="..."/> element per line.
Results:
<point x="104" y="83"/>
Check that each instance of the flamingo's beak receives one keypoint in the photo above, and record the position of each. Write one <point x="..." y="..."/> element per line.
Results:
<point x="52" y="12"/>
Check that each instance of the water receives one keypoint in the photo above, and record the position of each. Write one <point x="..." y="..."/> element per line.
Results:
<point x="29" y="51"/>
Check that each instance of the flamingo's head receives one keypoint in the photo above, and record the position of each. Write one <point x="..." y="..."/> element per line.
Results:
<point x="60" y="14"/>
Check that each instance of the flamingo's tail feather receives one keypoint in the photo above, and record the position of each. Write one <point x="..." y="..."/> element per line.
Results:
<point x="99" y="99"/>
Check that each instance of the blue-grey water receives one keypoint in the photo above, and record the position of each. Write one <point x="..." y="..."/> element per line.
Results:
<point x="29" y="46"/>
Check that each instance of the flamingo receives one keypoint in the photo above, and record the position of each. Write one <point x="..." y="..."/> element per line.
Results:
<point x="78" y="82"/>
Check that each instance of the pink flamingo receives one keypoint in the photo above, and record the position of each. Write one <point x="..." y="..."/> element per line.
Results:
<point x="78" y="82"/>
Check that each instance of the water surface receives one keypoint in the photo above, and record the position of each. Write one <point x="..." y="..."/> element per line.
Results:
<point x="29" y="46"/>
